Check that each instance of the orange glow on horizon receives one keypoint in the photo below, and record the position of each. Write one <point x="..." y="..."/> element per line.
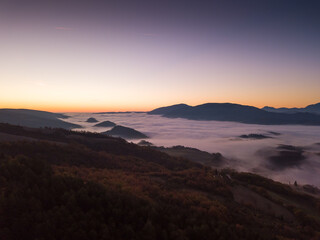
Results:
<point x="138" y="108"/>
<point x="65" y="109"/>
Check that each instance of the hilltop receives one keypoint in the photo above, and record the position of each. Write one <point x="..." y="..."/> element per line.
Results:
<point x="125" y="132"/>
<point x="34" y="118"/>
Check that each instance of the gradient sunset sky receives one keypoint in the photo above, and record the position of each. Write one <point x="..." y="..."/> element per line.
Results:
<point x="121" y="55"/>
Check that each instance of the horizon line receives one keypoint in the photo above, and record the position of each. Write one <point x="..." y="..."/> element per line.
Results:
<point x="122" y="110"/>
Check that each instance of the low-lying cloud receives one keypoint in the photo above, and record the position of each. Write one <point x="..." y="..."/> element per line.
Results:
<point x="271" y="156"/>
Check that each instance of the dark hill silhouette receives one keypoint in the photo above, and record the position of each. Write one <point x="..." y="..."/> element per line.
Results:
<point x="125" y="132"/>
<point x="105" y="124"/>
<point x="313" y="108"/>
<point x="34" y="118"/>
<point x="171" y="109"/>
<point x="284" y="156"/>
<point x="145" y="143"/>
<point x="92" y="120"/>
<point x="281" y="110"/>
<point x="254" y="136"/>
<point x="235" y="113"/>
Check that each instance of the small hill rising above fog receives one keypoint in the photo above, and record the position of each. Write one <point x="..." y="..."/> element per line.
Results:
<point x="125" y="132"/>
<point x="105" y="124"/>
<point x="34" y="118"/>
<point x="236" y="113"/>
<point x="92" y="120"/>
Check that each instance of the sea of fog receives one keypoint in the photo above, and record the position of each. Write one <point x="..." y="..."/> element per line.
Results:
<point x="215" y="136"/>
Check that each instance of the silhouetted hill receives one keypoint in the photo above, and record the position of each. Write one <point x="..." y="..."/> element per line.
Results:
<point x="171" y="109"/>
<point x="235" y="113"/>
<point x="314" y="108"/>
<point x="105" y="124"/>
<point x="254" y="136"/>
<point x="281" y="110"/>
<point x="286" y="156"/>
<point x="145" y="143"/>
<point x="125" y="132"/>
<point x="92" y="120"/>
<point x="34" y="118"/>
<point x="61" y="184"/>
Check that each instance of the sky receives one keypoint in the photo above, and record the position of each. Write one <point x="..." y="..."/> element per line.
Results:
<point x="94" y="55"/>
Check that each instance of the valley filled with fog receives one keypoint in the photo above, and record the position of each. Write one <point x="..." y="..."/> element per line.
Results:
<point x="286" y="153"/>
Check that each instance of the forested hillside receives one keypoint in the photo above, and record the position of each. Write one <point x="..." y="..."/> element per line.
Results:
<point x="60" y="184"/>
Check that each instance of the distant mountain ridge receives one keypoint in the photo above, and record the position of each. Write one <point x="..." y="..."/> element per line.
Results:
<point x="313" y="108"/>
<point x="236" y="113"/>
<point x="35" y="118"/>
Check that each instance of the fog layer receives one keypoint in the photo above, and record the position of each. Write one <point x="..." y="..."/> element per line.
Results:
<point x="243" y="154"/>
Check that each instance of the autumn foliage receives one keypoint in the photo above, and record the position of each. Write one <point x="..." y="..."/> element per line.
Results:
<point x="65" y="185"/>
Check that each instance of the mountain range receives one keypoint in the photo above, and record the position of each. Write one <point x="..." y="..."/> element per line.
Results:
<point x="237" y="113"/>
<point x="309" y="115"/>
<point x="313" y="108"/>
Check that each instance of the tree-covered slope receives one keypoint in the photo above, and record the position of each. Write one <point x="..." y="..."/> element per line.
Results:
<point x="60" y="184"/>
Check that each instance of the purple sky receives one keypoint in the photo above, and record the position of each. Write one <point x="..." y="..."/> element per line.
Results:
<point x="137" y="55"/>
